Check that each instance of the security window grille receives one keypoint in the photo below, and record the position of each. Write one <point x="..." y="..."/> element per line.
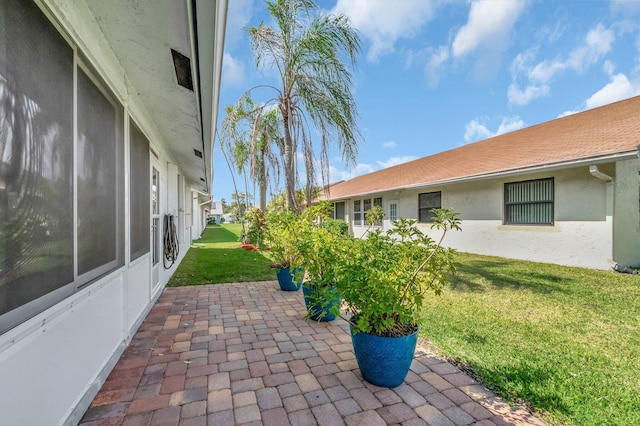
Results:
<point x="529" y="202"/>
<point x="426" y="203"/>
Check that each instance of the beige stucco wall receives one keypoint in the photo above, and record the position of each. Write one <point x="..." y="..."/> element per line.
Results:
<point x="581" y="235"/>
<point x="626" y="242"/>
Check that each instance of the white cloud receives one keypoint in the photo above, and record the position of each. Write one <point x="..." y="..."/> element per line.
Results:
<point x="475" y="130"/>
<point x="336" y="175"/>
<point x="516" y="96"/>
<point x="617" y="89"/>
<point x="394" y="161"/>
<point x="488" y="26"/>
<point x="383" y="22"/>
<point x="566" y="113"/>
<point x="389" y="144"/>
<point x="597" y="43"/>
<point x="232" y="71"/>
<point x="239" y="14"/>
<point x="434" y="66"/>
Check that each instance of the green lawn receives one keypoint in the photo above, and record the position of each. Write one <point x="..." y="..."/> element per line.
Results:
<point x="217" y="258"/>
<point x="564" y="340"/>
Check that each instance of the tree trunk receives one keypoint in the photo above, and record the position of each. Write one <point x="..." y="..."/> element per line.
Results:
<point x="262" y="182"/>
<point x="289" y="158"/>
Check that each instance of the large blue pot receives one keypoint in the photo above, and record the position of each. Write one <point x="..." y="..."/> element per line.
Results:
<point x="384" y="361"/>
<point x="287" y="281"/>
<point x="320" y="310"/>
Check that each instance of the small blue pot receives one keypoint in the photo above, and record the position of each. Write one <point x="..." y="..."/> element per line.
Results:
<point x="384" y="361"/>
<point x="286" y="279"/>
<point x="319" y="311"/>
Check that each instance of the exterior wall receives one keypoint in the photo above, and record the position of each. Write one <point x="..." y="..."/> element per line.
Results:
<point x="582" y="234"/>
<point x="53" y="364"/>
<point x="626" y="242"/>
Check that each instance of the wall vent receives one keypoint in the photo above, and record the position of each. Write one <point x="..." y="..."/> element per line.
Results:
<point x="182" y="65"/>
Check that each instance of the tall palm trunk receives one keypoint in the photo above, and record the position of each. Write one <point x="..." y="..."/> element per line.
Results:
<point x="262" y="181"/>
<point x="289" y="157"/>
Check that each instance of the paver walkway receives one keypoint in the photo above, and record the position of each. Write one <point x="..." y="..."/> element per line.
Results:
<point x="236" y="354"/>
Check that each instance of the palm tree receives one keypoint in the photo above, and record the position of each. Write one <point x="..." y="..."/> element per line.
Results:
<point x="308" y="52"/>
<point x="265" y="134"/>
<point x="249" y="132"/>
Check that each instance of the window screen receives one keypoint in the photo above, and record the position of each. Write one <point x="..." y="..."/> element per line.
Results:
<point x="529" y="202"/>
<point x="40" y="261"/>
<point x="36" y="155"/>
<point x="139" y="191"/>
<point x="100" y="145"/>
<point x="427" y="202"/>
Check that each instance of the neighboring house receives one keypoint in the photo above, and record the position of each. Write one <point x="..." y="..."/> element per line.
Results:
<point x="566" y="191"/>
<point x="216" y="211"/>
<point x="107" y="115"/>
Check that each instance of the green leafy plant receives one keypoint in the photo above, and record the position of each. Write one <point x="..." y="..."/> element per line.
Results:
<point x="283" y="238"/>
<point x="257" y="227"/>
<point x="321" y="245"/>
<point x="385" y="278"/>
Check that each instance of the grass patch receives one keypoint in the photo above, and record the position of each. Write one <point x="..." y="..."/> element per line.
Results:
<point x="217" y="258"/>
<point x="565" y="340"/>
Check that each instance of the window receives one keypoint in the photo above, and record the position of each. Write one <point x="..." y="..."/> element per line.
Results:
<point x="100" y="180"/>
<point x="529" y="202"/>
<point x="155" y="211"/>
<point x="427" y="202"/>
<point x="378" y="202"/>
<point x="61" y="216"/>
<point x="139" y="191"/>
<point x="338" y="211"/>
<point x="357" y="213"/>
<point x="393" y="212"/>
<point x="360" y="209"/>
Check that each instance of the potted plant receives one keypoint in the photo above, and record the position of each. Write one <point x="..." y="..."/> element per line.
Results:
<point x="282" y="235"/>
<point x="384" y="280"/>
<point x="320" y="247"/>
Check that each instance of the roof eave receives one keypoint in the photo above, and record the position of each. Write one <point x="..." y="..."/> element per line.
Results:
<point x="504" y="173"/>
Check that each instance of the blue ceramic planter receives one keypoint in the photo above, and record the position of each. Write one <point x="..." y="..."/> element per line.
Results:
<point x="384" y="361"/>
<point x="317" y="310"/>
<point x="286" y="279"/>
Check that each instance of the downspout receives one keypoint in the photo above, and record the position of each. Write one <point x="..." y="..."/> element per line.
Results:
<point x="595" y="172"/>
<point x="608" y="180"/>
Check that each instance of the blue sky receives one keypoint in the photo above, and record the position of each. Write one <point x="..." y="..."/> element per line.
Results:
<point x="435" y="75"/>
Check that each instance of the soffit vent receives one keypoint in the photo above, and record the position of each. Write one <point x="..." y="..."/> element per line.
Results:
<point x="197" y="153"/>
<point x="182" y="65"/>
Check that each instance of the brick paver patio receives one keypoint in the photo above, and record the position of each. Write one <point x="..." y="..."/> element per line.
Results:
<point x="236" y="354"/>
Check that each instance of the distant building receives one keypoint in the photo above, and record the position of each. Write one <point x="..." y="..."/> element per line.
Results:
<point x="216" y="211"/>
<point x="564" y="192"/>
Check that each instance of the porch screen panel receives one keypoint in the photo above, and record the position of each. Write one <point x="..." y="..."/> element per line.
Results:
<point x="36" y="169"/>
<point x="139" y="185"/>
<point x="99" y="180"/>
<point x="529" y="202"/>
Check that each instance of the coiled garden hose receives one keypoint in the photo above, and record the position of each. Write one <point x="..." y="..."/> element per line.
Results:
<point x="171" y="247"/>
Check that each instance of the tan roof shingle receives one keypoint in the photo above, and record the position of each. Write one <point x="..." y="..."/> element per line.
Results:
<point x="608" y="130"/>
